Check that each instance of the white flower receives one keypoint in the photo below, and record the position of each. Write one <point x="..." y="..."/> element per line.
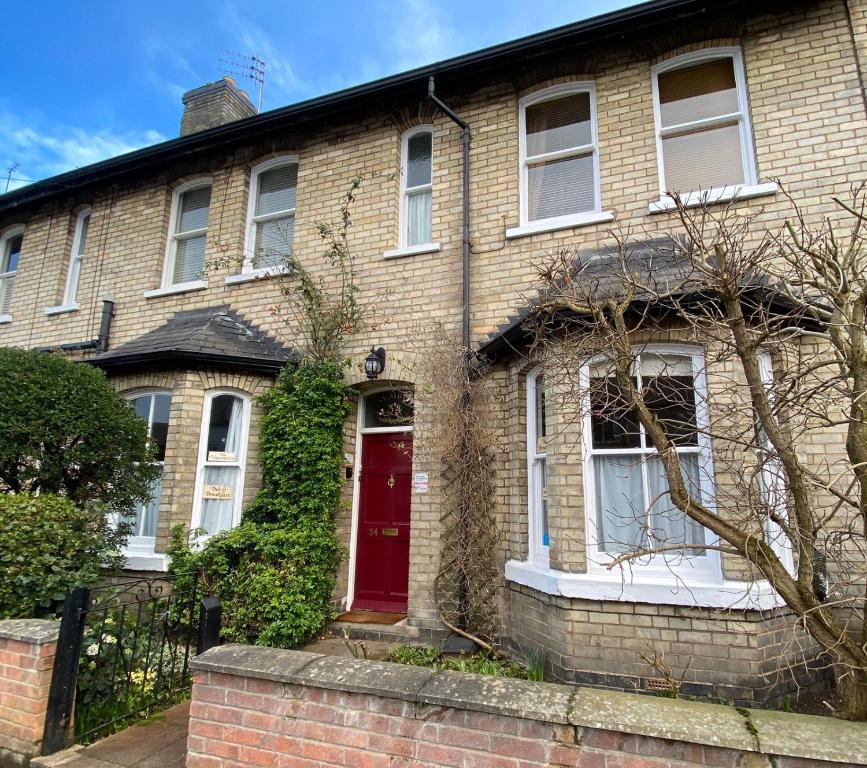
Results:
<point x="92" y="650"/>
<point x="109" y="639"/>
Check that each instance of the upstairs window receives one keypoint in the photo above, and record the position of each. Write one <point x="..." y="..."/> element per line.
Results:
<point x="703" y="132"/>
<point x="271" y="229"/>
<point x="627" y="490"/>
<point x="417" y="182"/>
<point x="79" y="243"/>
<point x="10" y="251"/>
<point x="559" y="159"/>
<point x="186" y="253"/>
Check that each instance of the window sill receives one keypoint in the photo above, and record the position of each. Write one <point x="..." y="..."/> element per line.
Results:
<point x="560" y="222"/>
<point x="139" y="561"/>
<point x="170" y="290"/>
<point x="61" y="309"/>
<point x="411" y="250"/>
<point x="256" y="274"/>
<point x="756" y="595"/>
<point x="5" y="319"/>
<point x="711" y="196"/>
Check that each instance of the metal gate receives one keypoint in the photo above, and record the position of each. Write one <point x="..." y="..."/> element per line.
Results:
<point x="123" y="653"/>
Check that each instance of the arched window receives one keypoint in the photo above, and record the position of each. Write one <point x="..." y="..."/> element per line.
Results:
<point x="626" y="491"/>
<point x="703" y="135"/>
<point x="537" y="469"/>
<point x="416" y="208"/>
<point x="222" y="458"/>
<point x="10" y="250"/>
<point x="271" y="215"/>
<point x="153" y="408"/>
<point x="558" y="154"/>
<point x="73" y="272"/>
<point x="188" y="233"/>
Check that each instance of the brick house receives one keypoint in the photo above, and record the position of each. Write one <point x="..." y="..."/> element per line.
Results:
<point x="160" y="266"/>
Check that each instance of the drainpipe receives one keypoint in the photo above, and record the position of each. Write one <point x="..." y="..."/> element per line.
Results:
<point x="100" y="343"/>
<point x="456" y="642"/>
<point x="466" y="206"/>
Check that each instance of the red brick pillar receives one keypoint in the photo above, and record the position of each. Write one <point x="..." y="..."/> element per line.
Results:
<point x="27" y="648"/>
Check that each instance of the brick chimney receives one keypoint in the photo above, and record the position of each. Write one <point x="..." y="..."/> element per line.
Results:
<point x="214" y="104"/>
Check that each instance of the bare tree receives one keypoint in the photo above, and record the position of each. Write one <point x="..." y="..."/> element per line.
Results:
<point x="759" y="450"/>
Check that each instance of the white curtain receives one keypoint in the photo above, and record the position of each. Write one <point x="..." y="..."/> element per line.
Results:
<point x="218" y="514"/>
<point x="418" y="218"/>
<point x="620" y="502"/>
<point x="146" y="519"/>
<point x="668" y="524"/>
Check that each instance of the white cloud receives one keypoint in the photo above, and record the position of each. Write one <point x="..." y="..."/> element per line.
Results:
<point x="421" y="35"/>
<point x="47" y="151"/>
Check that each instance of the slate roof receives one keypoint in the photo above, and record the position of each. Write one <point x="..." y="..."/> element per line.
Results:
<point x="659" y="264"/>
<point x="213" y="337"/>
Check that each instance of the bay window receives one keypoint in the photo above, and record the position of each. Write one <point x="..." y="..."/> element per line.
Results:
<point x="704" y="140"/>
<point x="558" y="154"/>
<point x="537" y="469"/>
<point x="626" y="489"/>
<point x="222" y="458"/>
<point x="153" y="408"/>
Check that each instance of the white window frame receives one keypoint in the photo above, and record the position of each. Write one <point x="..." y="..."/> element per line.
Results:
<point x="76" y="258"/>
<point x="8" y="234"/>
<point x="138" y="547"/>
<point x="247" y="269"/>
<point x="537" y="550"/>
<point x="704" y="568"/>
<point x="406" y="191"/>
<point x="168" y="284"/>
<point x="202" y="463"/>
<point x="593" y="216"/>
<point x="773" y="479"/>
<point x="750" y="186"/>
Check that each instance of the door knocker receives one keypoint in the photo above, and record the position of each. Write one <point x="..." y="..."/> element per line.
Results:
<point x="391" y="481"/>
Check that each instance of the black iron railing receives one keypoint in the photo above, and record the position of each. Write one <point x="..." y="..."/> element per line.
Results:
<point x="123" y="653"/>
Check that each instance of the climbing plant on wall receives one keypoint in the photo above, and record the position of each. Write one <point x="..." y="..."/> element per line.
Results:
<point x="275" y="573"/>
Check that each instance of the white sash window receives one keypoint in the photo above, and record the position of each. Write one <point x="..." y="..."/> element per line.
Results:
<point x="222" y="458"/>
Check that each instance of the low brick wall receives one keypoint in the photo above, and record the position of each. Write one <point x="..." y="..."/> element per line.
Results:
<point x="27" y="649"/>
<point x="279" y="709"/>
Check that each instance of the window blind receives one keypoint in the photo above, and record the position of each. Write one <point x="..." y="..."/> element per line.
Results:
<point x="277" y="189"/>
<point x="558" y="124"/>
<point x="194" y="206"/>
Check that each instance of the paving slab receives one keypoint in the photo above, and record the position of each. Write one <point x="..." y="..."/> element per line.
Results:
<point x="160" y="742"/>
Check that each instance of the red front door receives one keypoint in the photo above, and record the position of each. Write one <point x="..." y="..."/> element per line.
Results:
<point x="382" y="549"/>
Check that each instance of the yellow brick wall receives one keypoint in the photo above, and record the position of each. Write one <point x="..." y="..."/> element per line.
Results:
<point x="808" y="119"/>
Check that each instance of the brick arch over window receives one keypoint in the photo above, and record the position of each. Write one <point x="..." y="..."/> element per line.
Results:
<point x="407" y="118"/>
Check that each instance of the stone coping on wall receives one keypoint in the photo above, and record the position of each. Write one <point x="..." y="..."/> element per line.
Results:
<point x="35" y="631"/>
<point x="761" y="731"/>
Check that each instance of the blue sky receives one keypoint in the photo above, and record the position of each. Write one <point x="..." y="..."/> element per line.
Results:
<point x="87" y="80"/>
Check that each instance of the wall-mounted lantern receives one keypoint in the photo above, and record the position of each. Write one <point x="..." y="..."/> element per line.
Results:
<point x="374" y="363"/>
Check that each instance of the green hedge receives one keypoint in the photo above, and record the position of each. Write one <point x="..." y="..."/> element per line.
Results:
<point x="275" y="573"/>
<point x="64" y="430"/>
<point x="48" y="546"/>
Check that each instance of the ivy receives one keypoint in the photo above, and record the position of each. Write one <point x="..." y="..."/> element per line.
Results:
<point x="275" y="573"/>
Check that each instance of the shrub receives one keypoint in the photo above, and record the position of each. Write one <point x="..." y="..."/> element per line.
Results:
<point x="274" y="574"/>
<point x="47" y="546"/>
<point x="65" y="431"/>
